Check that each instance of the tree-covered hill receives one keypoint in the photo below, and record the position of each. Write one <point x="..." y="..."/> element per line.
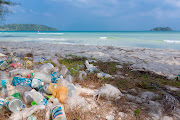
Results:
<point x="161" y="29"/>
<point x="26" y="27"/>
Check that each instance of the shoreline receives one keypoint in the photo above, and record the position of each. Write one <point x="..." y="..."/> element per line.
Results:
<point x="165" y="62"/>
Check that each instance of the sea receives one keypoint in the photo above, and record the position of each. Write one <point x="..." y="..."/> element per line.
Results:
<point x="144" y="39"/>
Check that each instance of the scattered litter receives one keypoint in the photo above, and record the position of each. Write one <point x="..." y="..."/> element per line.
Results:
<point x="30" y="84"/>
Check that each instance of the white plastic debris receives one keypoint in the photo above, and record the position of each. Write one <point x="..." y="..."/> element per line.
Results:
<point x="110" y="117"/>
<point x="109" y="91"/>
<point x="90" y="67"/>
<point x="21" y="115"/>
<point x="82" y="75"/>
<point x="105" y="75"/>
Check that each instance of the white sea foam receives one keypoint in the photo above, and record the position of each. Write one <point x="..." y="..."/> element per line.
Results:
<point x="172" y="41"/>
<point x="60" y="39"/>
<point x="103" y="38"/>
<point x="51" y="33"/>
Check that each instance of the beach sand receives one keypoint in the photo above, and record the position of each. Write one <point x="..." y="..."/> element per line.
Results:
<point x="165" y="62"/>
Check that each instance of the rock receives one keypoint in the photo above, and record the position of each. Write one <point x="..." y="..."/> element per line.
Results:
<point x="167" y="118"/>
<point x="148" y="96"/>
<point x="134" y="98"/>
<point x="172" y="88"/>
<point x="109" y="117"/>
<point x="119" y="66"/>
<point x="133" y="91"/>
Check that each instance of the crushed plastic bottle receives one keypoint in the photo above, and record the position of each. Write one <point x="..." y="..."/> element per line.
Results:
<point x="22" y="72"/>
<point x="21" y="81"/>
<point x="54" y="77"/>
<point x="37" y="83"/>
<point x="58" y="111"/>
<point x="63" y="71"/>
<point x="46" y="68"/>
<point x="43" y="76"/>
<point x="38" y="98"/>
<point x="45" y="88"/>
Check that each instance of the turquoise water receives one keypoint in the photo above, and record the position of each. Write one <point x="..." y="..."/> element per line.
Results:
<point x="162" y="40"/>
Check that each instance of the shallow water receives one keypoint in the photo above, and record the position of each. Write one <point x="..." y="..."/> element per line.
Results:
<point x="162" y="40"/>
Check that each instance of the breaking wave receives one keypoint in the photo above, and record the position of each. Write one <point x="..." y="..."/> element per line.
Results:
<point x="172" y="41"/>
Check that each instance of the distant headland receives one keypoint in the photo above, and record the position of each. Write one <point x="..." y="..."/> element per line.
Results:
<point x="162" y="29"/>
<point x="26" y="27"/>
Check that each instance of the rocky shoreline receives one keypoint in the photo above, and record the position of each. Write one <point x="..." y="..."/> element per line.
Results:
<point x="165" y="62"/>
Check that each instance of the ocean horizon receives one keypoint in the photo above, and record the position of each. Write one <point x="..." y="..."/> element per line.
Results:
<point x="144" y="39"/>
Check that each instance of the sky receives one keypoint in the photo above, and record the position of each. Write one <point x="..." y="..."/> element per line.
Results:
<point x="97" y="15"/>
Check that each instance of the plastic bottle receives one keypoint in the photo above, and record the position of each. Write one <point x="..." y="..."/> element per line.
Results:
<point x="71" y="90"/>
<point x="55" y="61"/>
<point x="58" y="111"/>
<point x="3" y="79"/>
<point x="46" y="68"/>
<point x="37" y="83"/>
<point x="13" y="104"/>
<point x="21" y="81"/>
<point x="62" y="89"/>
<point x="38" y="98"/>
<point x="28" y="97"/>
<point x="69" y="78"/>
<point x="43" y="76"/>
<point x="54" y="77"/>
<point x="22" y="72"/>
<point x="63" y="71"/>
<point x="45" y="88"/>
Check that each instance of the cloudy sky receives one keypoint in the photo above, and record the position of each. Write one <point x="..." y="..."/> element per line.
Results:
<point x="98" y="15"/>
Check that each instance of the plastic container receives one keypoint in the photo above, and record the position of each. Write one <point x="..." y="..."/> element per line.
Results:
<point x="37" y="83"/>
<point x="46" y="68"/>
<point x="58" y="111"/>
<point x="3" y="79"/>
<point x="13" y="104"/>
<point x="28" y="97"/>
<point x="21" y="81"/>
<point x="101" y="74"/>
<point x="71" y="90"/>
<point x="43" y="76"/>
<point x="62" y="89"/>
<point x="63" y="71"/>
<point x="22" y="72"/>
<point x="45" y="88"/>
<point x="54" y="77"/>
<point x="38" y="98"/>
<point x="69" y="78"/>
<point x="55" y="61"/>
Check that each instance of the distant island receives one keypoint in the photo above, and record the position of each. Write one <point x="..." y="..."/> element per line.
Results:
<point x="26" y="27"/>
<point x="161" y="29"/>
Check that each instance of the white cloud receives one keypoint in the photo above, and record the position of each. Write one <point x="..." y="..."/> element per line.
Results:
<point x="173" y="2"/>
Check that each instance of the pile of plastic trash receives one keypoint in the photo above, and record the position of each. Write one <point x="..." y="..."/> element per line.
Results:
<point x="27" y="87"/>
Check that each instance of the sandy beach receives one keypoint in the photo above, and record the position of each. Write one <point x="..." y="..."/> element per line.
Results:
<point x="165" y="62"/>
